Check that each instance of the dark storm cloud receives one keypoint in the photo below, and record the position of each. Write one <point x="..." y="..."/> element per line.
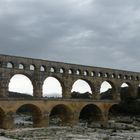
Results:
<point x="93" y="32"/>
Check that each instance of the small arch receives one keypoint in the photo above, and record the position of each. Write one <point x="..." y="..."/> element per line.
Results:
<point x="10" y="65"/>
<point x="52" y="69"/>
<point x="113" y="75"/>
<point x="70" y="71"/>
<point x="137" y="78"/>
<point x="78" y="72"/>
<point x="81" y="89"/>
<point x="42" y="68"/>
<point x="20" y="85"/>
<point x="119" y="76"/>
<point x="29" y="114"/>
<point x="106" y="75"/>
<point x="100" y="74"/>
<point x="52" y="87"/>
<point x="85" y="73"/>
<point x="90" y="113"/>
<point x="61" y="70"/>
<point x="92" y="73"/>
<point x="32" y="67"/>
<point x="60" y="114"/>
<point x="125" y="77"/>
<point x="21" y="66"/>
<point x="130" y="77"/>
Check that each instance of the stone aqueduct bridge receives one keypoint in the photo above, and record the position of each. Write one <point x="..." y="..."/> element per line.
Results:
<point x="70" y="109"/>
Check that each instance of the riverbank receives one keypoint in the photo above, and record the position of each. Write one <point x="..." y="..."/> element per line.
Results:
<point x="119" y="131"/>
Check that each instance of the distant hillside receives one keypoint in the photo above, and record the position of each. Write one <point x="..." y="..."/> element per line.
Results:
<point x="104" y="95"/>
<point x="78" y="95"/>
<point x="19" y="95"/>
<point x="125" y="94"/>
<point x="107" y="94"/>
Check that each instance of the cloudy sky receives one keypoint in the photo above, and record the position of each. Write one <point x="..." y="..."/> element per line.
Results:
<point x="103" y="33"/>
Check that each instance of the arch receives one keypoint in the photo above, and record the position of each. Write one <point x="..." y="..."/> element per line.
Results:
<point x="90" y="113"/>
<point x="125" y="84"/>
<point x="62" y="70"/>
<point x="78" y="72"/>
<point x="131" y="77"/>
<point x="92" y="73"/>
<point x="60" y="114"/>
<point x="113" y="75"/>
<point x="81" y="89"/>
<point x="10" y="65"/>
<point x="106" y="75"/>
<point x="126" y="91"/>
<point x="85" y="73"/>
<point x="137" y="78"/>
<point x="119" y="76"/>
<point x="21" y="66"/>
<point x="107" y="89"/>
<point x="70" y="71"/>
<point x="100" y="74"/>
<point x="52" y="87"/>
<point x="52" y="69"/>
<point x="32" y="67"/>
<point x="114" y="111"/>
<point x="31" y="112"/>
<point x="20" y="83"/>
<point x="42" y="68"/>
<point x="125" y="77"/>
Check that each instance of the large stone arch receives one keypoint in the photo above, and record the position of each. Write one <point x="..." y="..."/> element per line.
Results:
<point x="35" y="112"/>
<point x="6" y="77"/>
<point x="63" y="112"/>
<point x="60" y="80"/>
<point x="112" y="91"/>
<point x="128" y="92"/>
<point x="91" y="113"/>
<point x="112" y="84"/>
<point x="114" y="112"/>
<point x="24" y="74"/>
<point x="88" y="82"/>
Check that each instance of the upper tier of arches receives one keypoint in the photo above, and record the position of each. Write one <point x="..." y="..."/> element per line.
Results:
<point x="38" y="70"/>
<point x="73" y="71"/>
<point x="23" y="64"/>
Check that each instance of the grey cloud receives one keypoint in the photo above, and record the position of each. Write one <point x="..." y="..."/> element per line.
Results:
<point x="93" y="32"/>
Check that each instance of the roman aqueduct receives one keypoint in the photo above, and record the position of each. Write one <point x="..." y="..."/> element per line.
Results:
<point x="68" y="108"/>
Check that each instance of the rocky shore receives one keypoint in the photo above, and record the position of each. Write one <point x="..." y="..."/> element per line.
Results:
<point x="122" y="128"/>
